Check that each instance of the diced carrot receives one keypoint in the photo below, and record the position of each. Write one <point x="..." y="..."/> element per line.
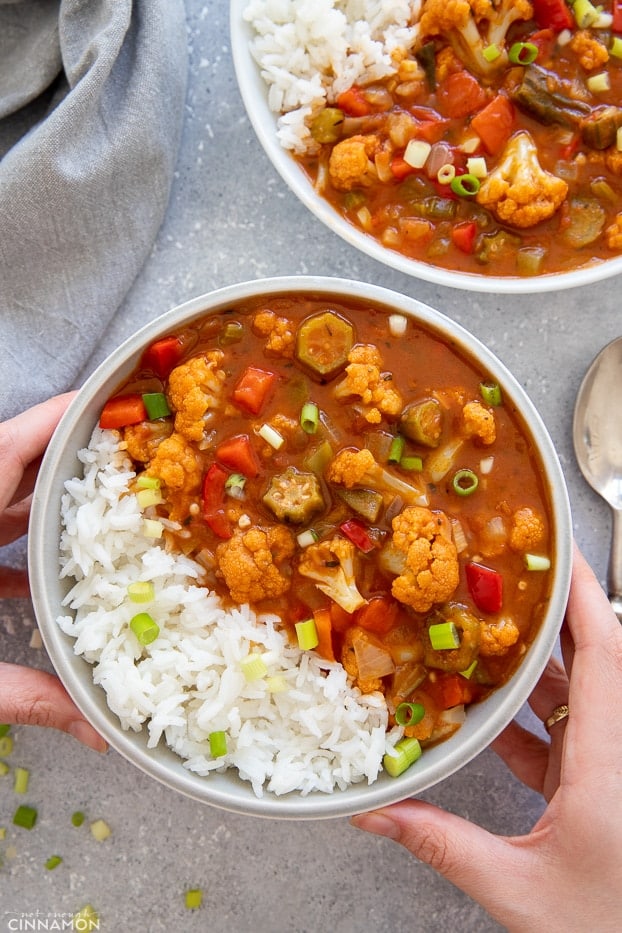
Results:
<point x="163" y="355"/>
<point x="461" y="94"/>
<point x="123" y="410"/>
<point x="253" y="388"/>
<point x="400" y="167"/>
<point x="238" y="454"/>
<point x="324" y="628"/>
<point x="379" y="615"/>
<point x="494" y="124"/>
<point x="448" y="690"/>
<point x="354" y="103"/>
<point x="544" y="40"/>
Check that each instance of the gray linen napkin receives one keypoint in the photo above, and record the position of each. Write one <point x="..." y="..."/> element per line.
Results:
<point x="91" y="108"/>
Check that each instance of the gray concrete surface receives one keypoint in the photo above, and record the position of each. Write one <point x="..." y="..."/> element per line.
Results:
<point x="231" y="218"/>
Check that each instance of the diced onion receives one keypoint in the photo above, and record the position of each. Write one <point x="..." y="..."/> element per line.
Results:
<point x="305" y="538"/>
<point x="476" y="165"/>
<point x="599" y="83"/>
<point x="397" y="325"/>
<point x="486" y="465"/>
<point x="372" y="660"/>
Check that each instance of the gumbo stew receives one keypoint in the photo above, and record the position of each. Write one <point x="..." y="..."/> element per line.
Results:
<point x="347" y="469"/>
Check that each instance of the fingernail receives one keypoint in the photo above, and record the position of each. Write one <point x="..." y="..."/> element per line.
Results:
<point x="378" y="823"/>
<point x="83" y="732"/>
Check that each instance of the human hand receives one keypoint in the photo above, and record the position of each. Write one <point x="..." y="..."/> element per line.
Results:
<point x="26" y="695"/>
<point x="562" y="875"/>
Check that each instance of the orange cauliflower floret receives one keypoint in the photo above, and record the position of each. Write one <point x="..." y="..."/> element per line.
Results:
<point x="365" y="380"/>
<point x="194" y="389"/>
<point x="352" y="467"/>
<point x="479" y="422"/>
<point x="278" y="330"/>
<point x="588" y="49"/>
<point x="497" y="637"/>
<point x="350" y="164"/>
<point x="249" y="563"/>
<point x="331" y="564"/>
<point x="176" y="465"/>
<point x="518" y="191"/>
<point x="613" y="160"/>
<point x="614" y="233"/>
<point x="142" y="440"/>
<point x="424" y="554"/>
<point x="527" y="530"/>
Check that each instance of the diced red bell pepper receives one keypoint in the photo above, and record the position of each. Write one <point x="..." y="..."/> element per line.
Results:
<point x="238" y="454"/>
<point x="553" y="14"/>
<point x="448" y="690"/>
<point x="354" y="103"/>
<point x="485" y="586"/>
<point x="122" y="410"/>
<point x="544" y="40"/>
<point x="163" y="355"/>
<point x="463" y="235"/>
<point x="400" y="167"/>
<point x="494" y="124"/>
<point x="357" y="533"/>
<point x="214" y="499"/>
<point x="253" y="388"/>
<point x="379" y="615"/>
<point x="616" y="12"/>
<point x="460" y="95"/>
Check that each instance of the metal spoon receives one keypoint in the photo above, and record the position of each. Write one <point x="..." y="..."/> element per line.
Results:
<point x="597" y="435"/>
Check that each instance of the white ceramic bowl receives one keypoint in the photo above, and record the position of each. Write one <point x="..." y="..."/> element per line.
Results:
<point x="255" y="96"/>
<point x="484" y="720"/>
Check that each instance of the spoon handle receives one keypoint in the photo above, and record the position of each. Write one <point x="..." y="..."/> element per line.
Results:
<point x="614" y="579"/>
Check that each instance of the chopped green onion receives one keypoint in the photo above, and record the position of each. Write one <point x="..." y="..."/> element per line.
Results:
<point x="306" y="632"/>
<point x="148" y="497"/>
<point x="193" y="898"/>
<point x="407" y="751"/>
<point x="232" y="332"/>
<point x="253" y="667"/>
<point x="537" y="562"/>
<point x="152" y="528"/>
<point x="465" y="186"/>
<point x="234" y="485"/>
<point x="309" y="417"/>
<point x="396" y="449"/>
<point x="409" y="714"/>
<point x="464" y="482"/>
<point x="616" y="47"/>
<point x="53" y="862"/>
<point x="6" y="745"/>
<point x="413" y="464"/>
<point x="4" y="729"/>
<point x="218" y="744"/>
<point x="100" y="830"/>
<point x="444" y="636"/>
<point x="2" y="832"/>
<point x="305" y="538"/>
<point x="145" y="628"/>
<point x="20" y="782"/>
<point x="25" y="816"/>
<point x="144" y="481"/>
<point x="276" y="684"/>
<point x="141" y="591"/>
<point x="492" y="52"/>
<point x="523" y="53"/>
<point x="491" y="393"/>
<point x="77" y="818"/>
<point x="476" y="165"/>
<point x="270" y="436"/>
<point x="446" y="174"/>
<point x="156" y="405"/>
<point x="599" y="83"/>
<point x="468" y="673"/>
<point x="585" y="13"/>
<point x="4" y="768"/>
<point x="85" y="920"/>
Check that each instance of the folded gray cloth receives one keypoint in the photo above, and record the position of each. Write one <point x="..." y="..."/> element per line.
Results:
<point x="91" y="108"/>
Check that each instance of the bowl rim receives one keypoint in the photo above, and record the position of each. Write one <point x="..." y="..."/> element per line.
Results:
<point x="227" y="791"/>
<point x="255" y="98"/>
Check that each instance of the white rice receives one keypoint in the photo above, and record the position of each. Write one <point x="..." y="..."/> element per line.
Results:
<point x="317" y="734"/>
<point x="308" y="51"/>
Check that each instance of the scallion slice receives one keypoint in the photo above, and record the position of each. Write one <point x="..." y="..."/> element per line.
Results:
<point x="492" y="52"/>
<point x="25" y="816"/>
<point x="465" y="482"/>
<point x="616" y="47"/>
<point x="234" y="485"/>
<point x="100" y="830"/>
<point x="396" y="450"/>
<point x="85" y="919"/>
<point x="141" y="591"/>
<point x="20" y="780"/>
<point x="309" y="417"/>
<point x="145" y="628"/>
<point x="152" y="528"/>
<point x="4" y="768"/>
<point x="144" y="481"/>
<point x="444" y="636"/>
<point x="409" y="714"/>
<point x="413" y="464"/>
<point x="253" y="667"/>
<point x="306" y="633"/>
<point x="6" y="745"/>
<point x="148" y="497"/>
<point x="53" y="862"/>
<point x="305" y="538"/>
<point x="276" y="684"/>
<point x="523" y="53"/>
<point x="156" y="405"/>
<point x="405" y="753"/>
<point x="271" y="436"/>
<point x="468" y="672"/>
<point x="5" y="728"/>
<point x="218" y="744"/>
<point x="537" y="562"/>
<point x="465" y="186"/>
<point x="491" y="393"/>
<point x="585" y="13"/>
<point x="193" y="898"/>
<point x="77" y="818"/>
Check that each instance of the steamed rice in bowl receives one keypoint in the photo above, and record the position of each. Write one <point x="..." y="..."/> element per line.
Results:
<point x="302" y="739"/>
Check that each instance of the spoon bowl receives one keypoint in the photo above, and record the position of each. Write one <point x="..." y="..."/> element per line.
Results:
<point x="597" y="436"/>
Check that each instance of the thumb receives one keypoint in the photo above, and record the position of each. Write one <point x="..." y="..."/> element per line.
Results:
<point x="37" y="698"/>
<point x="481" y="864"/>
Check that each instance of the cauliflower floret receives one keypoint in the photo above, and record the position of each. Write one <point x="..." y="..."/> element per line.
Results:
<point x="279" y="331"/>
<point x="614" y="233"/>
<point x="142" y="440"/>
<point x="479" y="422"/>
<point x="194" y="389"/>
<point x="588" y="49"/>
<point x="365" y="380"/>
<point x="249" y="563"/>
<point x="497" y="637"/>
<point x="472" y="26"/>
<point x="613" y="160"/>
<point x="423" y="551"/>
<point x="350" y="164"/>
<point x="176" y="465"/>
<point x="331" y="564"/>
<point x="357" y="468"/>
<point x="518" y="190"/>
<point x="527" y="530"/>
